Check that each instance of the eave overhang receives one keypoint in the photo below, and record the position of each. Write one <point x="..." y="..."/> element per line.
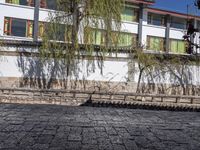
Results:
<point x="147" y="2"/>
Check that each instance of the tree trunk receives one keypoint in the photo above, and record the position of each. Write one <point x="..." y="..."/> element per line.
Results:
<point x="76" y="23"/>
<point x="139" y="80"/>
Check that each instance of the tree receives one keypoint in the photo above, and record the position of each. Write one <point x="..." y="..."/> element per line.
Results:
<point x="146" y="62"/>
<point x="63" y="37"/>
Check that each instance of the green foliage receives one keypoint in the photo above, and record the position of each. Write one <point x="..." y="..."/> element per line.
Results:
<point x="74" y="19"/>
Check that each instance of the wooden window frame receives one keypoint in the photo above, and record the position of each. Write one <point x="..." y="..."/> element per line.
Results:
<point x="9" y="21"/>
<point x="29" y="24"/>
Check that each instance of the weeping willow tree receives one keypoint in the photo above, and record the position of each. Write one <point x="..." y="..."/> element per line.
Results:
<point x="76" y="28"/>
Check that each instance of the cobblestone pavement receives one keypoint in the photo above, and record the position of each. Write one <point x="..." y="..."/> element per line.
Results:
<point x="61" y="127"/>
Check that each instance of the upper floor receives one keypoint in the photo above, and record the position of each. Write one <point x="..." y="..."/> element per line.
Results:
<point x="154" y="27"/>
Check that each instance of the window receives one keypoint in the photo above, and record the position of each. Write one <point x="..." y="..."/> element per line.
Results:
<point x="126" y="39"/>
<point x="21" y="2"/>
<point x="21" y="27"/>
<point x="179" y="23"/>
<point x="177" y="46"/>
<point x="12" y="1"/>
<point x="55" y="31"/>
<point x="130" y="14"/>
<point x="50" y="4"/>
<point x="94" y="36"/>
<point x="97" y="37"/>
<point x="18" y="27"/>
<point x="156" y="19"/>
<point x="155" y="43"/>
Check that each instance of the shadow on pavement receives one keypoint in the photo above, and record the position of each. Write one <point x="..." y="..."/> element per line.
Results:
<point x="148" y="106"/>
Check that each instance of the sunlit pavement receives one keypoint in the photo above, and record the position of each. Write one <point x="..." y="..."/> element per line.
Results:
<point x="62" y="127"/>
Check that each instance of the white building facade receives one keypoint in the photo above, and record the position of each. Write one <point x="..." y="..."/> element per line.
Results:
<point x="159" y="31"/>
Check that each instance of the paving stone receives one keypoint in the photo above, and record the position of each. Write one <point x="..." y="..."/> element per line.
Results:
<point x="52" y="127"/>
<point x="73" y="146"/>
<point x="118" y="147"/>
<point x="130" y="145"/>
<point x="74" y="137"/>
<point x="89" y="147"/>
<point x="116" y="139"/>
<point x="44" y="139"/>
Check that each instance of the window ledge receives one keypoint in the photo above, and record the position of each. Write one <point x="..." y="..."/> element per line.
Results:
<point x="16" y="38"/>
<point x="173" y="53"/>
<point x="177" y="29"/>
<point x="130" y="22"/>
<point x="154" y="26"/>
<point x="16" y="5"/>
<point x="161" y="52"/>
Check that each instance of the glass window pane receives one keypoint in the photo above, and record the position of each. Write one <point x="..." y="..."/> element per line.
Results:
<point x="151" y="43"/>
<point x="177" y="46"/>
<point x="181" y="47"/>
<point x="23" y="2"/>
<point x="87" y="36"/>
<point x="51" y="4"/>
<point x="136" y="15"/>
<point x="126" y="39"/>
<point x="130" y="14"/>
<point x="129" y="39"/>
<point x="127" y="14"/>
<point x="173" y="46"/>
<point x="20" y="2"/>
<point x="156" y="19"/>
<point x="15" y="1"/>
<point x="156" y="43"/>
<point x="97" y="37"/>
<point x="179" y="23"/>
<point x="121" y="39"/>
<point x="18" y="27"/>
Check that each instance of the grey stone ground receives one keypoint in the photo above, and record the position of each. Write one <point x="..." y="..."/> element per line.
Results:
<point x="62" y="127"/>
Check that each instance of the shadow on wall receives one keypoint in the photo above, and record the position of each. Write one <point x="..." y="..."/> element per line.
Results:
<point x="171" y="78"/>
<point x="166" y="78"/>
<point x="41" y="73"/>
<point x="57" y="74"/>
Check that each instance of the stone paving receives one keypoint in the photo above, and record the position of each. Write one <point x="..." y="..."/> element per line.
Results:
<point x="92" y="128"/>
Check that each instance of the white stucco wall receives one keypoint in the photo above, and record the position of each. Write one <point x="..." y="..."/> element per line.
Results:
<point x="16" y="66"/>
<point x="177" y="33"/>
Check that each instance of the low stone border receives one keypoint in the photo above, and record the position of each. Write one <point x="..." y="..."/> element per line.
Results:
<point x="77" y="97"/>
